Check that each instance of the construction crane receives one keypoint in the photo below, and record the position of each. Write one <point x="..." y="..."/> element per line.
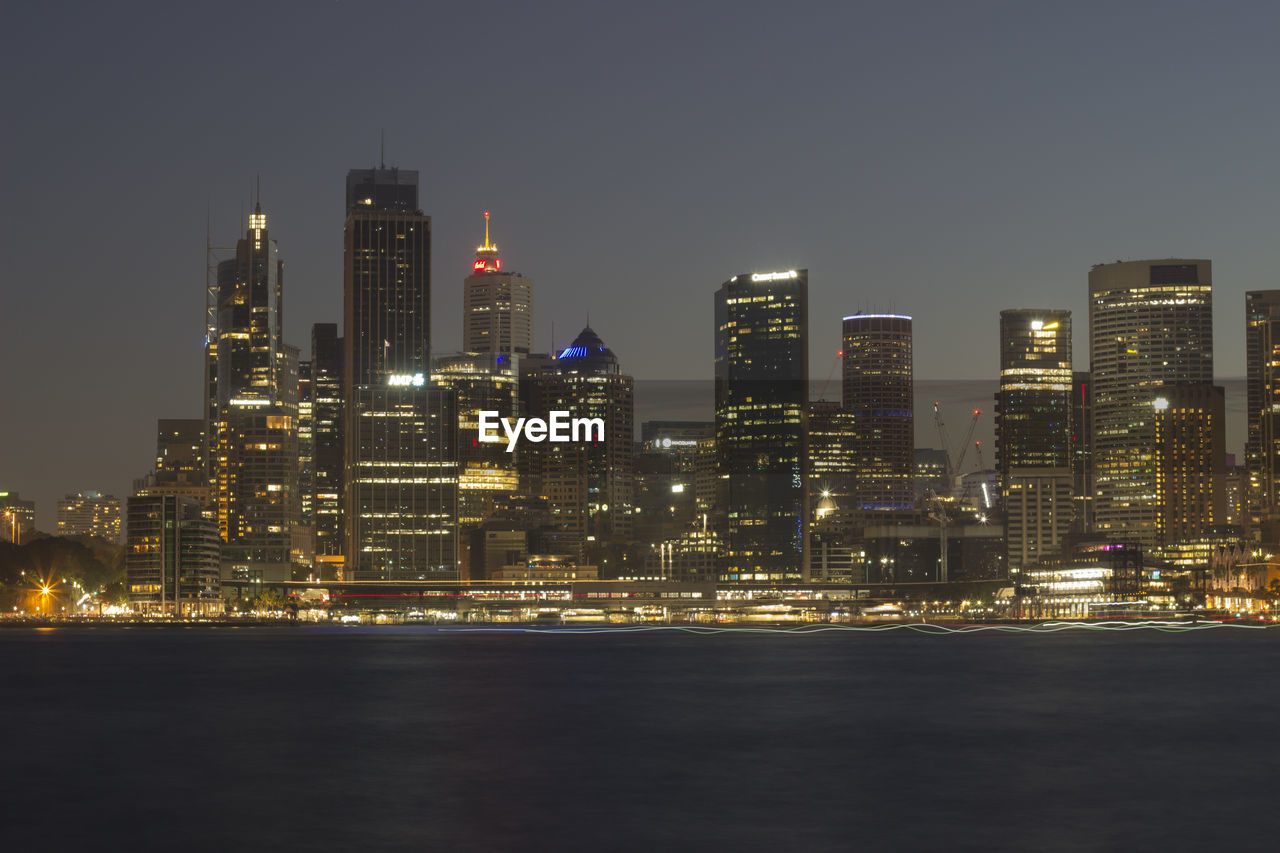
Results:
<point x="954" y="476"/>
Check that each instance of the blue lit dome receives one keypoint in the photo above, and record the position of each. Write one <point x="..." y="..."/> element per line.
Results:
<point x="588" y="352"/>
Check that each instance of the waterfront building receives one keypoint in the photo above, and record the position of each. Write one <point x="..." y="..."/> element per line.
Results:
<point x="90" y="514"/>
<point x="1150" y="325"/>
<point x="761" y="405"/>
<point x="878" y="391"/>
<point x="171" y="557"/>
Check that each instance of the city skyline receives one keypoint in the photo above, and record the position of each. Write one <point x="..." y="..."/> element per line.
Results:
<point x="884" y="212"/>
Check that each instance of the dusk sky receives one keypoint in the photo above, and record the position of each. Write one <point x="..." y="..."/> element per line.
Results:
<point x="943" y="159"/>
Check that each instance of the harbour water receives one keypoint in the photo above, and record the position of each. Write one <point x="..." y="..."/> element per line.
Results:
<point x="417" y="738"/>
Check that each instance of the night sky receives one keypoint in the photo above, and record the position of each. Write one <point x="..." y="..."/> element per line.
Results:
<point x="944" y="159"/>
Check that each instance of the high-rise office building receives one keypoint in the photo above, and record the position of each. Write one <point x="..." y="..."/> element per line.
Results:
<point x="327" y="448"/>
<point x="878" y="391"/>
<point x="1081" y="450"/>
<point x="761" y="399"/>
<point x="401" y="481"/>
<point x="1033" y="432"/>
<point x="1262" y="412"/>
<point x="590" y="485"/>
<point x="254" y="439"/>
<point x="480" y="382"/>
<point x="90" y="514"/>
<point x="834" y="453"/>
<point x="171" y="557"/>
<point x="1150" y="325"/>
<point x="1033" y="405"/>
<point x="1190" y="454"/>
<point x="497" y="305"/>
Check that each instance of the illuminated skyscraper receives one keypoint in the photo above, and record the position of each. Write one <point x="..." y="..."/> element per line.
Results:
<point x="254" y="439"/>
<point x="1262" y="415"/>
<point x="1033" y="432"/>
<point x="486" y="470"/>
<point x="590" y="485"/>
<point x="401" y="480"/>
<point x="180" y="463"/>
<point x="879" y="392"/>
<point x="1190" y="451"/>
<point x="1150" y="325"/>
<point x="761" y="398"/>
<point x="834" y="453"/>
<point x="497" y="306"/>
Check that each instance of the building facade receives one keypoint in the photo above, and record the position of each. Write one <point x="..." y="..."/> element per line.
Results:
<point x="1190" y="451"/>
<point x="327" y="448"/>
<point x="1150" y="325"/>
<point x="761" y="400"/>
<point x="1262" y="412"/>
<point x="254" y="439"/>
<point x="171" y="557"/>
<point x="1033" y="432"/>
<point x="879" y="392"/>
<point x="400" y="482"/>
<point x="90" y="514"/>
<point x="497" y="305"/>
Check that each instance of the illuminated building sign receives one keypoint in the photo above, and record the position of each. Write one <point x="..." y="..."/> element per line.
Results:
<point x="402" y="379"/>
<point x="774" y="276"/>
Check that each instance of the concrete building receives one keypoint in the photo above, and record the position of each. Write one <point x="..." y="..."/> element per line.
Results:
<point x="1150" y="325"/>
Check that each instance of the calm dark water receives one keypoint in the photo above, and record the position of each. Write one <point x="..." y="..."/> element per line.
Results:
<point x="317" y="738"/>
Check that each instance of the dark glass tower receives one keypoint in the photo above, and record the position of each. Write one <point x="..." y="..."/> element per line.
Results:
<point x="327" y="449"/>
<point x="761" y="394"/>
<point x="1262" y="417"/>
<point x="401" y="485"/>
<point x="879" y="393"/>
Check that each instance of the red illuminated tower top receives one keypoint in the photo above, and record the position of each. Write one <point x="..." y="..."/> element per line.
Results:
<point x="487" y="259"/>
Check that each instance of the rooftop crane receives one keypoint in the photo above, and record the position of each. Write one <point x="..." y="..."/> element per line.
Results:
<point x="953" y="471"/>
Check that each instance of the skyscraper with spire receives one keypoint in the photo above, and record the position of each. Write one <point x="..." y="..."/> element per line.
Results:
<point x="497" y="305"/>
<point x="400" y="457"/>
<point x="254" y="433"/>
